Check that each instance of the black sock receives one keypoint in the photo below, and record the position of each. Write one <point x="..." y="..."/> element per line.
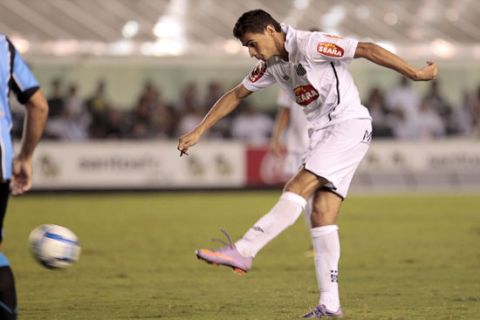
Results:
<point x="8" y="297"/>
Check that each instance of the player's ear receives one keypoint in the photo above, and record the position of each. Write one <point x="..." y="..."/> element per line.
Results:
<point x="270" y="30"/>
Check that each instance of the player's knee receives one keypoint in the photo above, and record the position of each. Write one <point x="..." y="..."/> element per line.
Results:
<point x="319" y="219"/>
<point x="320" y="213"/>
<point x="324" y="213"/>
<point x="303" y="184"/>
<point x="293" y="186"/>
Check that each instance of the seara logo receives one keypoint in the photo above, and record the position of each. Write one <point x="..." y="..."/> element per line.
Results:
<point x="258" y="72"/>
<point x="304" y="95"/>
<point x="330" y="49"/>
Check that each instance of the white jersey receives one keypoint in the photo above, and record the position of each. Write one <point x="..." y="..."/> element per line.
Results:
<point x="296" y="137"/>
<point x="315" y="77"/>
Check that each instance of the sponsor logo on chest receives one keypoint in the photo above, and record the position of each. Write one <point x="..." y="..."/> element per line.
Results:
<point x="304" y="95"/>
<point x="330" y="49"/>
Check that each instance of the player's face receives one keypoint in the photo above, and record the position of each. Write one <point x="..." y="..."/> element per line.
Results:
<point x="260" y="45"/>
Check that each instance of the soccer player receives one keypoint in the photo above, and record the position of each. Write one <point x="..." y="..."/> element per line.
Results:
<point x="312" y="68"/>
<point x="16" y="172"/>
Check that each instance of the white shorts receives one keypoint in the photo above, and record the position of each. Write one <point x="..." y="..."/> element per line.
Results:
<point x="292" y="163"/>
<point x="336" y="151"/>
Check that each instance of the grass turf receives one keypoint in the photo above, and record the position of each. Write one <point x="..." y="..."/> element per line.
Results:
<point x="403" y="257"/>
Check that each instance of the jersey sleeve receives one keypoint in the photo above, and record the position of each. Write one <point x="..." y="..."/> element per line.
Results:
<point x="22" y="81"/>
<point x="326" y="47"/>
<point x="258" y="78"/>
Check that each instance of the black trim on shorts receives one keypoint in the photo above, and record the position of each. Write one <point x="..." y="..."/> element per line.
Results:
<point x="338" y="89"/>
<point x="329" y="188"/>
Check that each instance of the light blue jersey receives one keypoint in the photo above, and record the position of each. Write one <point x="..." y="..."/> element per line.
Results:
<point x="16" y="76"/>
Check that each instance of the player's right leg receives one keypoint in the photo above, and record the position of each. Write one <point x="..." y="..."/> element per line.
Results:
<point x="8" y="298"/>
<point x="292" y="164"/>
<point x="283" y="214"/>
<point x="240" y="255"/>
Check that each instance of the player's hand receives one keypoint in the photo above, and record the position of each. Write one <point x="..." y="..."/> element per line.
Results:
<point x="187" y="140"/>
<point x="22" y="176"/>
<point x="429" y="72"/>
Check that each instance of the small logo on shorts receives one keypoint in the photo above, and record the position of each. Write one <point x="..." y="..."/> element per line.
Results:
<point x="367" y="137"/>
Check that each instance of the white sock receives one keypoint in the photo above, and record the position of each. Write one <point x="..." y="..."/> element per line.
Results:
<point x="285" y="212"/>
<point x="327" y="253"/>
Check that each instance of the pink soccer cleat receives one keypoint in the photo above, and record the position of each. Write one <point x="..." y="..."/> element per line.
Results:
<point x="226" y="256"/>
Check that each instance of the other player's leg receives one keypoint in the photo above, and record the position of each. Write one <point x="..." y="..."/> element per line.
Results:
<point x="8" y="298"/>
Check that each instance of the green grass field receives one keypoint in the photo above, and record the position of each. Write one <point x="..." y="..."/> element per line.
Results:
<point x="403" y="257"/>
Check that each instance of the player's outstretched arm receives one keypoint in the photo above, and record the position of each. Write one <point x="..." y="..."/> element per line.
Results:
<point x="34" y="123"/>
<point x="380" y="56"/>
<point x="224" y="106"/>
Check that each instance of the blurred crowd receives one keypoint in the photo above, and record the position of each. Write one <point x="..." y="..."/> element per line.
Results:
<point x="399" y="113"/>
<point x="402" y="113"/>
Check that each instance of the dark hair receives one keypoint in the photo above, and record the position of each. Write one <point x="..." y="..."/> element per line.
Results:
<point x="254" y="21"/>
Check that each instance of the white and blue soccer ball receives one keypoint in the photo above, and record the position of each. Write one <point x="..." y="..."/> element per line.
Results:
<point x="54" y="247"/>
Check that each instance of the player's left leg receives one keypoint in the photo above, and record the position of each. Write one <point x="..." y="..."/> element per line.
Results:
<point x="326" y="244"/>
<point x="8" y="298"/>
<point x="339" y="151"/>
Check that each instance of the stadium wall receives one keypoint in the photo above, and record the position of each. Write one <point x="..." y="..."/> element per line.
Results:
<point x="390" y="166"/>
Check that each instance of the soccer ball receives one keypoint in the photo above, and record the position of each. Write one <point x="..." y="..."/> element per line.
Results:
<point x="53" y="246"/>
